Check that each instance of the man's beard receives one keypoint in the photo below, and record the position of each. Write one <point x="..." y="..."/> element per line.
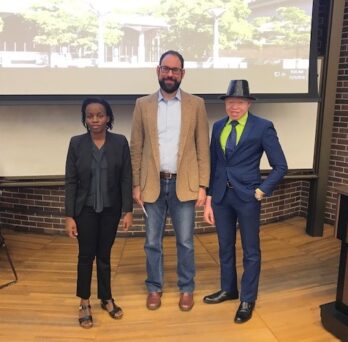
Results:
<point x="170" y="89"/>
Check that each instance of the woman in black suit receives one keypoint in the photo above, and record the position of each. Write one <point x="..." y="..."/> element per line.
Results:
<point x="98" y="188"/>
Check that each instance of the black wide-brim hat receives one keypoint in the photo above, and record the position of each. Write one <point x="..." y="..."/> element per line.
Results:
<point x="238" y="88"/>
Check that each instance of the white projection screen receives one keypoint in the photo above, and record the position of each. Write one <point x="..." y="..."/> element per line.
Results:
<point x="111" y="47"/>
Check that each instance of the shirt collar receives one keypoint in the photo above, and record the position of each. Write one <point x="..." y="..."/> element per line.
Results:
<point x="242" y="120"/>
<point x="176" y="97"/>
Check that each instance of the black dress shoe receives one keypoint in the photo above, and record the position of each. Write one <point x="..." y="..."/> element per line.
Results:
<point x="219" y="297"/>
<point x="244" y="312"/>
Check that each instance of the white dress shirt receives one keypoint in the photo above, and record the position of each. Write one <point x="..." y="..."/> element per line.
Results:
<point x="168" y="126"/>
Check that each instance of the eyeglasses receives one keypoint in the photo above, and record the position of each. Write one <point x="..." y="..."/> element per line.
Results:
<point x="165" y="70"/>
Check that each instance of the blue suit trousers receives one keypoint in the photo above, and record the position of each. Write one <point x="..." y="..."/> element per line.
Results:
<point x="247" y="213"/>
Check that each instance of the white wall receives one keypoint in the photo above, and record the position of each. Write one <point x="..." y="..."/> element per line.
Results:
<point x="34" y="137"/>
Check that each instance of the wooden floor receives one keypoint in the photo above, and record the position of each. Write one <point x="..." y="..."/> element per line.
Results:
<point x="298" y="274"/>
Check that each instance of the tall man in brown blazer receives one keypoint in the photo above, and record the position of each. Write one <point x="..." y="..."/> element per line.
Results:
<point x="170" y="159"/>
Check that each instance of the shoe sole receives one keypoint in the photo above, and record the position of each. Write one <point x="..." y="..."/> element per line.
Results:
<point x="241" y="322"/>
<point x="152" y="308"/>
<point x="184" y="308"/>
<point x="218" y="302"/>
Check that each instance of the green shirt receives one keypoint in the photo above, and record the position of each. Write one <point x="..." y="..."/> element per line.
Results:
<point x="228" y="128"/>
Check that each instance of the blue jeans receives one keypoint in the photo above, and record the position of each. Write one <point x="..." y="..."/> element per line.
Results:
<point x="183" y="218"/>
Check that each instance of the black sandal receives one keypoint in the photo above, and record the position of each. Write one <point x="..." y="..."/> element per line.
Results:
<point x="116" y="312"/>
<point x="86" y="321"/>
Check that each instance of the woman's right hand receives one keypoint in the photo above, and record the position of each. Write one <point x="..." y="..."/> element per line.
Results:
<point x="70" y="227"/>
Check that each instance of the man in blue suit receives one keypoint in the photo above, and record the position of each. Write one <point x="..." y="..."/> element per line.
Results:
<point x="236" y="190"/>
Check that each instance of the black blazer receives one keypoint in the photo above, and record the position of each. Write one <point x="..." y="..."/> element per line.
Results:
<point x="78" y="173"/>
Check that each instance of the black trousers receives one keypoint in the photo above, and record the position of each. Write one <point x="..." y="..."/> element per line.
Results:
<point x="96" y="235"/>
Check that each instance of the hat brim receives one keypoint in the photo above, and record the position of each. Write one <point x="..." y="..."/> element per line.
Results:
<point x="223" y="97"/>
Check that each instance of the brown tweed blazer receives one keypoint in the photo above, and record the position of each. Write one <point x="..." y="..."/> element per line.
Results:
<point x="193" y="165"/>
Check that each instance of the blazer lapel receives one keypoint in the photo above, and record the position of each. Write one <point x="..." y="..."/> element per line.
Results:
<point x="218" y="135"/>
<point x="186" y="116"/>
<point x="109" y="149"/>
<point x="151" y="119"/>
<point x="85" y="151"/>
<point x="247" y="129"/>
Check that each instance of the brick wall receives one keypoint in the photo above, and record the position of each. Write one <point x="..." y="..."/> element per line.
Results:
<point x="41" y="209"/>
<point x="33" y="209"/>
<point x="289" y="199"/>
<point x="338" y="170"/>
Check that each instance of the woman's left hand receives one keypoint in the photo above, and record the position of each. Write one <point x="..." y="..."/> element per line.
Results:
<point x="127" y="221"/>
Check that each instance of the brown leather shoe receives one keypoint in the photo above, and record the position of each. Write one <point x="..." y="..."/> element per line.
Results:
<point x="186" y="301"/>
<point x="153" y="300"/>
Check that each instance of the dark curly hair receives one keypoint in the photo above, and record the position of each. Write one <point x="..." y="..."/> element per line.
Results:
<point x="106" y="106"/>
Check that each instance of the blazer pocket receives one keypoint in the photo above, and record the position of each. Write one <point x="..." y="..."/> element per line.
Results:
<point x="143" y="177"/>
<point x="251" y="178"/>
<point x="193" y="177"/>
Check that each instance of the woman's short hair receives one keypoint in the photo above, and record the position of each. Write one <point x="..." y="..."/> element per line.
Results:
<point x="104" y="103"/>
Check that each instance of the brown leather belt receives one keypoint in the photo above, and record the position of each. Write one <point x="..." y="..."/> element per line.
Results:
<point x="167" y="175"/>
